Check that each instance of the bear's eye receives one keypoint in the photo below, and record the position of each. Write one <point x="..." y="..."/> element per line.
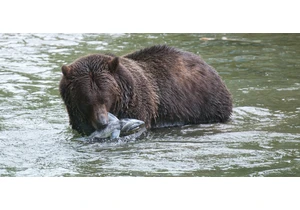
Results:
<point x="85" y="106"/>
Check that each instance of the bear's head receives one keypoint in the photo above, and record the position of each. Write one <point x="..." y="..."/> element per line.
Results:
<point x="90" y="89"/>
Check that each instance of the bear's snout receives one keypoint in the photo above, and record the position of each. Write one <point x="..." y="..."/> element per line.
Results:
<point x="100" y="117"/>
<point x="103" y="119"/>
<point x="100" y="122"/>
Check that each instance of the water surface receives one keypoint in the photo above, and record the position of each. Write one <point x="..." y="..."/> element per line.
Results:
<point x="262" y="139"/>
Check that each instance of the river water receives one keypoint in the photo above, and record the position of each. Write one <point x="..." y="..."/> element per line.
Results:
<point x="262" y="71"/>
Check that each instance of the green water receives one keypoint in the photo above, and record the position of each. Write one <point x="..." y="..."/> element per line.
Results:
<point x="262" y="71"/>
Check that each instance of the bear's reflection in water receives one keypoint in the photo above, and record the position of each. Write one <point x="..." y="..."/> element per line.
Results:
<point x="129" y="128"/>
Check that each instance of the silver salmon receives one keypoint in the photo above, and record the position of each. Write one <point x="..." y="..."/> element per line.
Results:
<point x="117" y="128"/>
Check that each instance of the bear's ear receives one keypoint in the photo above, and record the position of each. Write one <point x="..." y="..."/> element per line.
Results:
<point x="113" y="65"/>
<point x="65" y="70"/>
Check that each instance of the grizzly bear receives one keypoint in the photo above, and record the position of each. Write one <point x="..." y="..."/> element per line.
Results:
<point x="160" y="85"/>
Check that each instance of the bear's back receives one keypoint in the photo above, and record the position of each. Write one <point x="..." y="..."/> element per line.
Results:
<point x="154" y="52"/>
<point x="189" y="90"/>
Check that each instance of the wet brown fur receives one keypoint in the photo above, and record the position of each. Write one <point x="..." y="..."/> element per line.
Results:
<point x="161" y="85"/>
